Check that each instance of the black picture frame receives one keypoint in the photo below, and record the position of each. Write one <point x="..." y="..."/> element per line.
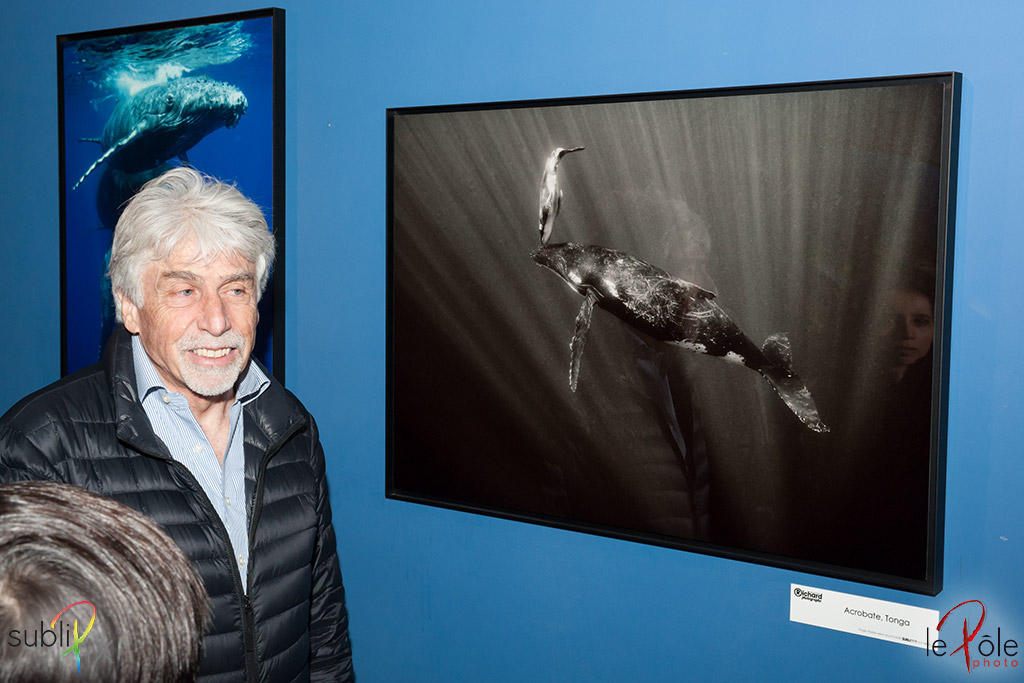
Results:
<point x="822" y="210"/>
<point x="111" y="81"/>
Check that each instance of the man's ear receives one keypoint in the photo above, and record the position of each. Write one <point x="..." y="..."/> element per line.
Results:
<point x="129" y="312"/>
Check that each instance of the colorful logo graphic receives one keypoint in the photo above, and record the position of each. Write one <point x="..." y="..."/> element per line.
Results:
<point x="78" y="639"/>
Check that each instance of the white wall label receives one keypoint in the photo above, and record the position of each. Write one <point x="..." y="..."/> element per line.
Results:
<point x="862" y="616"/>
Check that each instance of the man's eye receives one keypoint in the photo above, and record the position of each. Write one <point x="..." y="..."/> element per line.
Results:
<point x="922" y="321"/>
<point x="186" y="292"/>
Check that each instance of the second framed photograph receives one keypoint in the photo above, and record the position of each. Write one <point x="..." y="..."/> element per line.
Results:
<point x="710" y="320"/>
<point x="133" y="102"/>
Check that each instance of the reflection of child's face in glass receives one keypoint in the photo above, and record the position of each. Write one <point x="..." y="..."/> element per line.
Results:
<point x="915" y="326"/>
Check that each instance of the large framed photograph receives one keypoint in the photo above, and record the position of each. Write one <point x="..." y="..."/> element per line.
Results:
<point x="133" y="102"/>
<point x="713" y="320"/>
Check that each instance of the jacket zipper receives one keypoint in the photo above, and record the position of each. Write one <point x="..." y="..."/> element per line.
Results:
<point x="256" y="508"/>
<point x="249" y="631"/>
<point x="256" y="503"/>
<point x="248" y="620"/>
<point x="248" y="615"/>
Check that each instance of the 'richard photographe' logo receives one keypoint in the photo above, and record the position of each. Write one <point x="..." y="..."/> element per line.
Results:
<point x="813" y="596"/>
<point x="59" y="634"/>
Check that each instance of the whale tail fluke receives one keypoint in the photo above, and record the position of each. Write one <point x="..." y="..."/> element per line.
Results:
<point x="787" y="384"/>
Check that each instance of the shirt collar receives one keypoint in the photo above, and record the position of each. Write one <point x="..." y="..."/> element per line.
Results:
<point x="253" y="383"/>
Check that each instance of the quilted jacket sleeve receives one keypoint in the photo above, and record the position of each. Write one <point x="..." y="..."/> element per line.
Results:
<point x="330" y="649"/>
<point x="23" y="459"/>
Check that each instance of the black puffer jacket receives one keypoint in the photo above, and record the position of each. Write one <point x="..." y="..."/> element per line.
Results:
<point x="89" y="429"/>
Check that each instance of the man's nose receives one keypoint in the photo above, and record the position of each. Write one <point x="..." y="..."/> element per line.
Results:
<point x="214" y="318"/>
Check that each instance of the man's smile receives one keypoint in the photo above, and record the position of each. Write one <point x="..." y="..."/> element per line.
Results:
<point x="213" y="353"/>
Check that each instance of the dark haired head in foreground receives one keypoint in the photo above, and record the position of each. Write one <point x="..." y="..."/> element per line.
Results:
<point x="61" y="545"/>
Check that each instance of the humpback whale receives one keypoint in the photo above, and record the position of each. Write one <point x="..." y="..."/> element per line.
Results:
<point x="671" y="310"/>
<point x="550" y="194"/>
<point x="114" y="191"/>
<point x="164" y="121"/>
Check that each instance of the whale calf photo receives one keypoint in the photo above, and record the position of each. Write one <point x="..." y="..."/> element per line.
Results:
<point x="659" y="305"/>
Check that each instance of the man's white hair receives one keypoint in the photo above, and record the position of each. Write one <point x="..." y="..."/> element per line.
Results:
<point x="184" y="204"/>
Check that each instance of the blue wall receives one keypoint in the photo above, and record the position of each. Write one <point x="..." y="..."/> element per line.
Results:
<point x="437" y="595"/>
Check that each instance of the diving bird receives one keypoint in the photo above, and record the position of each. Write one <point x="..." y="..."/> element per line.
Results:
<point x="671" y="310"/>
<point x="164" y="121"/>
<point x="550" y="193"/>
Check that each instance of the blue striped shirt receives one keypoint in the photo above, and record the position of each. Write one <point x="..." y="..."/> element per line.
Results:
<point x="175" y="424"/>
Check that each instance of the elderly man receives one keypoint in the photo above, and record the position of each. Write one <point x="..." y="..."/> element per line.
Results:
<point x="178" y="423"/>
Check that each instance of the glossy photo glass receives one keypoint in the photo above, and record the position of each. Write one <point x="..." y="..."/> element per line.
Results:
<point x="133" y="102"/>
<point x="712" y="320"/>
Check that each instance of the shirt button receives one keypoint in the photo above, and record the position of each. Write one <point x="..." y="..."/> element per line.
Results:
<point x="227" y="501"/>
<point x="167" y="399"/>
<point x="198" y="448"/>
<point x="241" y="561"/>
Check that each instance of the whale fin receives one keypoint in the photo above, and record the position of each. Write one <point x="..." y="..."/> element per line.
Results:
<point x="706" y="293"/>
<point x="776" y="349"/>
<point x="579" y="338"/>
<point x="675" y="287"/>
<point x="544" y="213"/>
<point x="787" y="384"/>
<point x="98" y="141"/>
<point x="103" y="157"/>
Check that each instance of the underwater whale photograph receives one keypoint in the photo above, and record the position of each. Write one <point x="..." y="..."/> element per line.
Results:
<point x="707" y="320"/>
<point x="133" y="103"/>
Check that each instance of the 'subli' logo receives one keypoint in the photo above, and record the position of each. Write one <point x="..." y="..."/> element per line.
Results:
<point x="78" y="639"/>
<point x="60" y="634"/>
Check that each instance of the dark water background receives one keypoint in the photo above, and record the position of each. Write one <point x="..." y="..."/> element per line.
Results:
<point x="801" y="210"/>
<point x="97" y="74"/>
